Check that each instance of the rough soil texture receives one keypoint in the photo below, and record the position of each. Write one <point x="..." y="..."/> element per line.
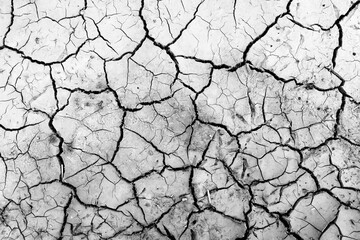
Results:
<point x="180" y="119"/>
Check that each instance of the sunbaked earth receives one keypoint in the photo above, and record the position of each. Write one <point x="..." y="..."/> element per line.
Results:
<point x="180" y="119"/>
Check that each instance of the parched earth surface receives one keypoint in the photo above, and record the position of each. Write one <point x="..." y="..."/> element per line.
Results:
<point x="180" y="119"/>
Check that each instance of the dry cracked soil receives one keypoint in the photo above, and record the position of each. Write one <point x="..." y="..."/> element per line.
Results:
<point x="180" y="119"/>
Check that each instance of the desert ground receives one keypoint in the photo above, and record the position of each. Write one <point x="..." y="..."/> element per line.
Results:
<point x="180" y="119"/>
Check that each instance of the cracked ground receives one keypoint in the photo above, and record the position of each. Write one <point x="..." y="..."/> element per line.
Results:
<point x="181" y="119"/>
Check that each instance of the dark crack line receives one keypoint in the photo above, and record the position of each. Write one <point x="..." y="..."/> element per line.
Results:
<point x="267" y="29"/>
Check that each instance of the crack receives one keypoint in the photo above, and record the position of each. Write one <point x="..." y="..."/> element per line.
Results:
<point x="11" y="22"/>
<point x="61" y="143"/>
<point x="192" y="189"/>
<point x="267" y="29"/>
<point x="186" y="26"/>
<point x="165" y="229"/>
<point x="340" y="43"/>
<point x="65" y="218"/>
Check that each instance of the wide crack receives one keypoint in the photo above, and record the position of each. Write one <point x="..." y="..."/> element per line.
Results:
<point x="179" y="120"/>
